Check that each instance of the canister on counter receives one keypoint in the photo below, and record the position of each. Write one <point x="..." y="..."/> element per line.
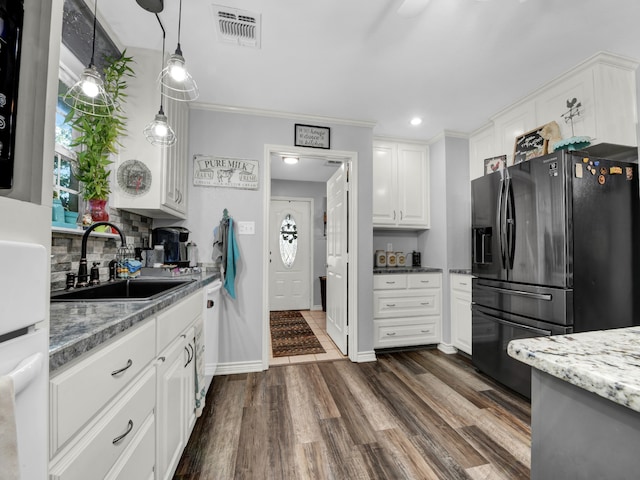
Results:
<point x="400" y="259"/>
<point x="391" y="259"/>
<point x="381" y="258"/>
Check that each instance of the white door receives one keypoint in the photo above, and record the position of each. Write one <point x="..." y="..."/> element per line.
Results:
<point x="337" y="261"/>
<point x="290" y="255"/>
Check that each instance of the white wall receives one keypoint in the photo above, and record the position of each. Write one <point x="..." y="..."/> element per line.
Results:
<point x="317" y="191"/>
<point x="244" y="136"/>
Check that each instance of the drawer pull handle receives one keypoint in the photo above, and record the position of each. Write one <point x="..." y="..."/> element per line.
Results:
<point x="425" y="303"/>
<point x="390" y="334"/>
<point x="119" y="371"/>
<point x="464" y="284"/>
<point x="391" y="304"/>
<point x="129" y="428"/>
<point x="390" y="283"/>
<point x="424" y="281"/>
<point x="425" y="331"/>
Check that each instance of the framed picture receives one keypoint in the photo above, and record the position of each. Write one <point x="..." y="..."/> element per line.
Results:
<point x="494" y="164"/>
<point x="312" y="136"/>
<point x="530" y="145"/>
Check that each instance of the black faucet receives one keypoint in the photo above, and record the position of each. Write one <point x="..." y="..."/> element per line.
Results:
<point x="83" y="276"/>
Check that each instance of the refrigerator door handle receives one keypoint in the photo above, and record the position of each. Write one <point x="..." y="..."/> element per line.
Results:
<point x="510" y="224"/>
<point x="536" y="296"/>
<point x="500" y="223"/>
<point x="524" y="327"/>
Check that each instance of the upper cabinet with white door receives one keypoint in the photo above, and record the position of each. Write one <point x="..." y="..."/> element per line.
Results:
<point x="604" y="84"/>
<point x="155" y="185"/>
<point x="400" y="185"/>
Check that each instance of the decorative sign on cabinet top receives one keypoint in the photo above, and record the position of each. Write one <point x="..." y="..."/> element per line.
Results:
<point x="211" y="171"/>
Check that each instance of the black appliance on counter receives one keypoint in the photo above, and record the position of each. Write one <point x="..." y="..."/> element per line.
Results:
<point x="11" y="18"/>
<point x="174" y="240"/>
<point x="555" y="250"/>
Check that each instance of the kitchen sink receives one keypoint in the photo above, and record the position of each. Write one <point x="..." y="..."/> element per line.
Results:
<point x="121" y="290"/>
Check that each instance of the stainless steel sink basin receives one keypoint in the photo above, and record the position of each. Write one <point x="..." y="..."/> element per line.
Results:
<point x="121" y="290"/>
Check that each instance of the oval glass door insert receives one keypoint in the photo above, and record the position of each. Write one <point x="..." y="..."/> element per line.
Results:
<point x="288" y="241"/>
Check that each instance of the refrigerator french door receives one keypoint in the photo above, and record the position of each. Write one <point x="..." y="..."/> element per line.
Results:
<point x="553" y="242"/>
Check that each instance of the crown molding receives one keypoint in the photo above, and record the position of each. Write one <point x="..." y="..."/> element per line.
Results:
<point x="279" y="114"/>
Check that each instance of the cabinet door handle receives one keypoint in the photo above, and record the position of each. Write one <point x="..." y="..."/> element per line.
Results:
<point x="162" y="359"/>
<point x="129" y="428"/>
<point x="394" y="214"/>
<point x="390" y="334"/>
<point x="116" y="372"/>
<point x="400" y="214"/>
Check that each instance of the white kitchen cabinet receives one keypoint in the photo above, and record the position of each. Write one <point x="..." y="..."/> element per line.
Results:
<point x="400" y="185"/>
<point x="166" y="195"/>
<point x="407" y="309"/>
<point x="460" y="296"/>
<point x="172" y="405"/>
<point x="605" y="84"/>
<point x="139" y="386"/>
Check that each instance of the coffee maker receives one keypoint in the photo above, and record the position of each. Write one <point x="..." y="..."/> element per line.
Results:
<point x="174" y="241"/>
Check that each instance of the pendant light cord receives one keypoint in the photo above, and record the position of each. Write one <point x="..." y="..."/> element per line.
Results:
<point x="95" y="21"/>
<point x="162" y="62"/>
<point x="179" y="50"/>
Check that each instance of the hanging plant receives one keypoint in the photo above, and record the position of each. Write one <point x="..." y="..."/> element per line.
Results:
<point x="97" y="136"/>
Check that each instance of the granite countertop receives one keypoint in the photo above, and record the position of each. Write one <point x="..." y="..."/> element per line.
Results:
<point x="385" y="270"/>
<point x="605" y="362"/>
<point x="77" y="327"/>
<point x="460" y="271"/>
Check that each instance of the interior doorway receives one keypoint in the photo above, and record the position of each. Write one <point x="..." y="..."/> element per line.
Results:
<point x="327" y="158"/>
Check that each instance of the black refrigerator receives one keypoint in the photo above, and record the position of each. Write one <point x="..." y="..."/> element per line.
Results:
<point x="554" y="250"/>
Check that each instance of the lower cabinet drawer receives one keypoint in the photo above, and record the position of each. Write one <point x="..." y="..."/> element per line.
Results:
<point x="94" y="454"/>
<point x="77" y="394"/>
<point x="138" y="461"/>
<point x="176" y="319"/>
<point x="392" y="304"/>
<point x="461" y="282"/>
<point x="402" y="332"/>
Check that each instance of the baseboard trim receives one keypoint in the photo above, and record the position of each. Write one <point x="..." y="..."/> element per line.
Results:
<point x="363" y="357"/>
<point x="239" y="367"/>
<point x="446" y="348"/>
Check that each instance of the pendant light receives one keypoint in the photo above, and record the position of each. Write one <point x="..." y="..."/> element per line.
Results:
<point x="159" y="132"/>
<point x="176" y="80"/>
<point x="88" y="94"/>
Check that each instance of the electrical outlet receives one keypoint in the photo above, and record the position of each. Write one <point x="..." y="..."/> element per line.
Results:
<point x="246" y="228"/>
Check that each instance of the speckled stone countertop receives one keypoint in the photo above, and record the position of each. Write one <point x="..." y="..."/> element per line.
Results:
<point x="606" y="362"/>
<point x="406" y="270"/>
<point x="77" y="327"/>
<point x="460" y="271"/>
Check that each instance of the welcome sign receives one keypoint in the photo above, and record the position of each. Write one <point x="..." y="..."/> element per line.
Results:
<point x="210" y="171"/>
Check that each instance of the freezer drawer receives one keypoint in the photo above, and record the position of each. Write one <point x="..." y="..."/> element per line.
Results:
<point x="553" y="305"/>
<point x="491" y="333"/>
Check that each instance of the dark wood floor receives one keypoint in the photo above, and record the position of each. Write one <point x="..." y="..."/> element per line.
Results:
<point x="410" y="415"/>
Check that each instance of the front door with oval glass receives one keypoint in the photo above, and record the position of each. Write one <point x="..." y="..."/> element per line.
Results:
<point x="290" y="255"/>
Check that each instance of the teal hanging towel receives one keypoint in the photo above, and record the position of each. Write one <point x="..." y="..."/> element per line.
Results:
<point x="232" y="257"/>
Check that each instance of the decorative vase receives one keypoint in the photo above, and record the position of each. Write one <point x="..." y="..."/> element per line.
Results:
<point x="57" y="211"/>
<point x="98" y="210"/>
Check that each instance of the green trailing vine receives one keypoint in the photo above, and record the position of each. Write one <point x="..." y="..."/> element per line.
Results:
<point x="97" y="136"/>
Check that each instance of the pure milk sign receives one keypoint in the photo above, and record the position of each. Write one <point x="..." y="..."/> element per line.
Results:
<point x="225" y="172"/>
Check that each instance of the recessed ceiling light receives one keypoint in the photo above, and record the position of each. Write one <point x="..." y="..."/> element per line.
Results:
<point x="290" y="160"/>
<point x="415" y="121"/>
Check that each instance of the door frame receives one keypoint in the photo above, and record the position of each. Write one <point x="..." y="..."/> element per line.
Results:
<point x="311" y="242"/>
<point x="352" y="271"/>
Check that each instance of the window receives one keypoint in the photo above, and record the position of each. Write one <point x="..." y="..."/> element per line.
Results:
<point x="288" y="241"/>
<point x="64" y="132"/>
<point x="64" y="181"/>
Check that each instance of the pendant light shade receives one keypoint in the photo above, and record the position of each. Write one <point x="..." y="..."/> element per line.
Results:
<point x="88" y="94"/>
<point x="175" y="79"/>
<point x="159" y="132"/>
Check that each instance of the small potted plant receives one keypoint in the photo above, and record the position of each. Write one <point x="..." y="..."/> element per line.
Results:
<point x="97" y="137"/>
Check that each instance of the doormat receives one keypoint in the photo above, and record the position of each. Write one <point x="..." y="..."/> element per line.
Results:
<point x="291" y="335"/>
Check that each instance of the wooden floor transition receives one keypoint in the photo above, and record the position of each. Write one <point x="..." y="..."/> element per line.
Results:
<point x="411" y="415"/>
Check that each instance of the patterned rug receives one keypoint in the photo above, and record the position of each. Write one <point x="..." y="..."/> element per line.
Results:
<point x="292" y="335"/>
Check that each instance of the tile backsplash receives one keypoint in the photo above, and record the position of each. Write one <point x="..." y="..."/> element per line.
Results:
<point x="65" y="248"/>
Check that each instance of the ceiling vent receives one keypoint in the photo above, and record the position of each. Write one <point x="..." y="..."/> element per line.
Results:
<point x="333" y="163"/>
<point x="237" y="27"/>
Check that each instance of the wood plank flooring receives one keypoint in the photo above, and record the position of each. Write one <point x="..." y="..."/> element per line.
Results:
<point x="412" y="415"/>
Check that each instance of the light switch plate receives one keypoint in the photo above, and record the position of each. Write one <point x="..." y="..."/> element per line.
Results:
<point x="246" y="228"/>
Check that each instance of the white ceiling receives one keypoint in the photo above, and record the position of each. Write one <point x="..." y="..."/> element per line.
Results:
<point x="455" y="63"/>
